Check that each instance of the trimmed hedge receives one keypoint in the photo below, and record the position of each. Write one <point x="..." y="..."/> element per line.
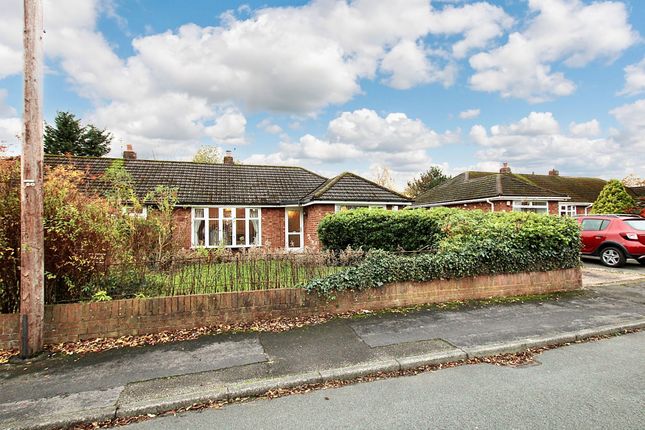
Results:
<point x="471" y="243"/>
<point x="367" y="229"/>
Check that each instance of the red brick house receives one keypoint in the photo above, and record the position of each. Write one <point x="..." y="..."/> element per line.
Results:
<point x="507" y="191"/>
<point x="240" y="206"/>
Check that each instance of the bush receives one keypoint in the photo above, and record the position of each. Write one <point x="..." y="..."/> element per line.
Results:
<point x="613" y="199"/>
<point x="379" y="229"/>
<point x="471" y="243"/>
<point x="85" y="234"/>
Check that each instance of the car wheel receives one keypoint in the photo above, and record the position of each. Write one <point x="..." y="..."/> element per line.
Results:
<point x="612" y="257"/>
<point x="642" y="261"/>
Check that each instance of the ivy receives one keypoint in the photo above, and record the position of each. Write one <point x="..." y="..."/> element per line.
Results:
<point x="470" y="243"/>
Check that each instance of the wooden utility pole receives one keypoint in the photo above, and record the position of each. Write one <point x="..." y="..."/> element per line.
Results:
<point x="32" y="307"/>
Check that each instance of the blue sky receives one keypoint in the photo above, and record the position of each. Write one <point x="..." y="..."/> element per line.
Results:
<point x="337" y="85"/>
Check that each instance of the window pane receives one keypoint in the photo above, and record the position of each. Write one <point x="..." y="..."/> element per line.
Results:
<point x="240" y="213"/>
<point x="240" y="233"/>
<point x="592" y="224"/>
<point x="213" y="213"/>
<point x="294" y="240"/>
<point x="254" y="213"/>
<point x="254" y="232"/>
<point x="638" y="224"/>
<point x="227" y="213"/>
<point x="213" y="232"/>
<point x="293" y="217"/>
<point x="227" y="230"/>
<point x="198" y="232"/>
<point x="199" y="212"/>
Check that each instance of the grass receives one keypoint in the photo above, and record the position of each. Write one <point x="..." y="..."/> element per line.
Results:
<point x="207" y="277"/>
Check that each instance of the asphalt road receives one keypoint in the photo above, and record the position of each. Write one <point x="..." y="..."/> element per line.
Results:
<point x="593" y="385"/>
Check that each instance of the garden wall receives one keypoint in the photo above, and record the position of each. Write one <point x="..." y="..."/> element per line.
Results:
<point x="77" y="321"/>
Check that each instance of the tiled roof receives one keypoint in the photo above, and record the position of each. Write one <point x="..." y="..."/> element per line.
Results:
<point x="638" y="192"/>
<point x="220" y="183"/>
<point x="350" y="187"/>
<point x="483" y="185"/>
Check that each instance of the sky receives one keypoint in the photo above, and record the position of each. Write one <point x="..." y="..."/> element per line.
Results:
<point x="340" y="85"/>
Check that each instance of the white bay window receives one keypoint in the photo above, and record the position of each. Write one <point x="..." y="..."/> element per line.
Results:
<point x="231" y="227"/>
<point x="537" y="206"/>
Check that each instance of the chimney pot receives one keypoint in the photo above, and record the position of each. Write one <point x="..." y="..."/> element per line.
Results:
<point x="554" y="172"/>
<point x="505" y="169"/>
<point x="129" y="153"/>
<point x="228" y="158"/>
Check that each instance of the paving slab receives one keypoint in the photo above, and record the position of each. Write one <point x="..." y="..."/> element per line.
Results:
<point x="73" y="374"/>
<point x="503" y="323"/>
<point x="59" y="410"/>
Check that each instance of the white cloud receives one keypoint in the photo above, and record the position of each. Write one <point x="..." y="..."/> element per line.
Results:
<point x="479" y="23"/>
<point x="588" y="129"/>
<point x="569" y="31"/>
<point x="537" y="143"/>
<point x="632" y="134"/>
<point x="10" y="125"/>
<point x="634" y="79"/>
<point x="469" y="113"/>
<point x="392" y="140"/>
<point x="268" y="126"/>
<point x="409" y="65"/>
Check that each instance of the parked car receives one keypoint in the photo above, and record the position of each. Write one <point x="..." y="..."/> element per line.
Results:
<point x="613" y="238"/>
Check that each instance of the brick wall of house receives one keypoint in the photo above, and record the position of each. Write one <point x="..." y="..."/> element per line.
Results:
<point x="273" y="228"/>
<point x="78" y="321"/>
<point x="313" y="214"/>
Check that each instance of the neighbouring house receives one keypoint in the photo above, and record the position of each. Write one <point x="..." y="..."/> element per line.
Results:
<point x="240" y="206"/>
<point x="507" y="191"/>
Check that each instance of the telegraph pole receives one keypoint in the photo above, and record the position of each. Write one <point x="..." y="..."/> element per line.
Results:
<point x="32" y="306"/>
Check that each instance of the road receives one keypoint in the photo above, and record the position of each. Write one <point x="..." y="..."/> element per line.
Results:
<point x="592" y="385"/>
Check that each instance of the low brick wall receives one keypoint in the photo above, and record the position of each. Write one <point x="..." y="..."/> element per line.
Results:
<point x="77" y="321"/>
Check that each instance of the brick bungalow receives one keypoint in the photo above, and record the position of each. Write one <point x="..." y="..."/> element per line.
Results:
<point x="241" y="206"/>
<point x="507" y="191"/>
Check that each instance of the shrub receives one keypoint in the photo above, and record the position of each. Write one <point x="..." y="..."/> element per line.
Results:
<point x="85" y="234"/>
<point x="379" y="229"/>
<point x="471" y="243"/>
<point x="613" y="199"/>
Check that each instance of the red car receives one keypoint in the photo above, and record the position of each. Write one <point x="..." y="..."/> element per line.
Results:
<point x="613" y="238"/>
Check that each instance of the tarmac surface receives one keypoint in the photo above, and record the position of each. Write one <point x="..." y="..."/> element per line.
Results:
<point x="595" y="385"/>
<point x="64" y="389"/>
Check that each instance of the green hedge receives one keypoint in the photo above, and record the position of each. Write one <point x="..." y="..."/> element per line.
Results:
<point x="470" y="243"/>
<point x="379" y="229"/>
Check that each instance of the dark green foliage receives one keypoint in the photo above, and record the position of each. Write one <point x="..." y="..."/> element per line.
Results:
<point x="472" y="243"/>
<point x="379" y="229"/>
<point x="426" y="181"/>
<point x="67" y="136"/>
<point x="613" y="199"/>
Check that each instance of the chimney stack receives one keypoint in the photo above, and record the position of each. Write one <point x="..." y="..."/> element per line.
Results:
<point x="129" y="153"/>
<point x="554" y="172"/>
<point x="228" y="158"/>
<point x="505" y="169"/>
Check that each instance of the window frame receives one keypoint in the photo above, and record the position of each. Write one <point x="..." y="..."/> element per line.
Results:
<point x="286" y="228"/>
<point x="565" y="209"/>
<point x="220" y="223"/>
<point x="520" y="205"/>
<point x="352" y="206"/>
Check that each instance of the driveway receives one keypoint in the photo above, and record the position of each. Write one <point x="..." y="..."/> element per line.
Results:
<point x="594" y="273"/>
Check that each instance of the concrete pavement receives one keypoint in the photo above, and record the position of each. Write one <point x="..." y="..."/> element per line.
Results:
<point x="64" y="389"/>
<point x="596" y="385"/>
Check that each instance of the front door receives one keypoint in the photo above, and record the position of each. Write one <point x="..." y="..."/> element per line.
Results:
<point x="293" y="220"/>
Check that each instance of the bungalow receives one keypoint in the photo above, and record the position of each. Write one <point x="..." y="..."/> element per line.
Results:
<point x="507" y="191"/>
<point x="241" y="206"/>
